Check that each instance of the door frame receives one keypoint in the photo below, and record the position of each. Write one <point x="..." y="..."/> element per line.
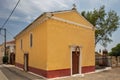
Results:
<point x="26" y="61"/>
<point x="72" y="48"/>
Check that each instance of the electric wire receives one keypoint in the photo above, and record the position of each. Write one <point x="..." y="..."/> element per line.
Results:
<point x="10" y="14"/>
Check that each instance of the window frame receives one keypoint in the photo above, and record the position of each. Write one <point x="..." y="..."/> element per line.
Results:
<point x="21" y="44"/>
<point x="31" y="40"/>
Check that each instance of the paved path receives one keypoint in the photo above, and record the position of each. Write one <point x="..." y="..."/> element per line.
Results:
<point x="113" y="74"/>
<point x="2" y="76"/>
<point x="12" y="73"/>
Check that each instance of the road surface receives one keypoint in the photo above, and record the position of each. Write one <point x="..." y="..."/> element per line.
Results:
<point x="13" y="73"/>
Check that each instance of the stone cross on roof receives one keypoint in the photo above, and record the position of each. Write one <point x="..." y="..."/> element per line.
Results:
<point x="74" y="7"/>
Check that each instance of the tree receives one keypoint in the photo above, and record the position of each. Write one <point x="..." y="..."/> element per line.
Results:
<point x="115" y="52"/>
<point x="105" y="24"/>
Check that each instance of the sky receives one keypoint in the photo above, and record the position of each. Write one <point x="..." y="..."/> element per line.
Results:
<point x="28" y="10"/>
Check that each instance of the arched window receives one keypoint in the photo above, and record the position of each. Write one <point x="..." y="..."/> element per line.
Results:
<point x="21" y="43"/>
<point x="31" y="40"/>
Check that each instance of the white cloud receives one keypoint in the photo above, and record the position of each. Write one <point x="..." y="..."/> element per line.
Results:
<point x="107" y="3"/>
<point x="61" y="3"/>
<point x="3" y="16"/>
<point x="27" y="19"/>
<point x="30" y="9"/>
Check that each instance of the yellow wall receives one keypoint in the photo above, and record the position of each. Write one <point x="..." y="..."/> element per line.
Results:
<point x="73" y="16"/>
<point x="37" y="53"/>
<point x="51" y="41"/>
<point x="60" y="36"/>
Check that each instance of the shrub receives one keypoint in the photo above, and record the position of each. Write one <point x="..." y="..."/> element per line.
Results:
<point x="5" y="59"/>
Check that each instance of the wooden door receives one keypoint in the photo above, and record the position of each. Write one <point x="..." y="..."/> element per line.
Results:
<point x="26" y="62"/>
<point x="75" y="62"/>
<point x="12" y="58"/>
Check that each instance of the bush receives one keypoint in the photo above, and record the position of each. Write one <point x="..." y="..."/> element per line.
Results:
<point x="5" y="59"/>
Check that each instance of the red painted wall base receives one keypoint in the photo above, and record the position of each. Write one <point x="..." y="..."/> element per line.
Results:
<point x="19" y="65"/>
<point x="56" y="73"/>
<point x="87" y="69"/>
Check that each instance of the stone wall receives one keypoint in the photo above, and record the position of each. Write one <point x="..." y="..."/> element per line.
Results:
<point x="114" y="61"/>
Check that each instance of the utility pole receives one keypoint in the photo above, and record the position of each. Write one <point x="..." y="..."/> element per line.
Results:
<point x="4" y="39"/>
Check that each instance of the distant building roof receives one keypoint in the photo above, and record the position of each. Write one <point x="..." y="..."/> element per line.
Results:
<point x="11" y="42"/>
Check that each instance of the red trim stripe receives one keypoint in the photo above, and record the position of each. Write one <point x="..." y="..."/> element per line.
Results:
<point x="38" y="71"/>
<point x="49" y="73"/>
<point x="56" y="73"/>
<point x="86" y="69"/>
<point x="19" y="65"/>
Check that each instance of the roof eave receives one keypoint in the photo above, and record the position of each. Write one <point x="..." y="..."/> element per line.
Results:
<point x="29" y="25"/>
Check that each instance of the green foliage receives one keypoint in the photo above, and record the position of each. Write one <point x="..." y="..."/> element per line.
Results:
<point x="105" y="23"/>
<point x="115" y="51"/>
<point x="5" y="59"/>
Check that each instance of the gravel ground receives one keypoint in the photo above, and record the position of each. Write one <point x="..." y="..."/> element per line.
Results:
<point x="113" y="74"/>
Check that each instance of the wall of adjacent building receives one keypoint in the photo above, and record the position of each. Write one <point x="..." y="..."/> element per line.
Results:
<point x="1" y="53"/>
